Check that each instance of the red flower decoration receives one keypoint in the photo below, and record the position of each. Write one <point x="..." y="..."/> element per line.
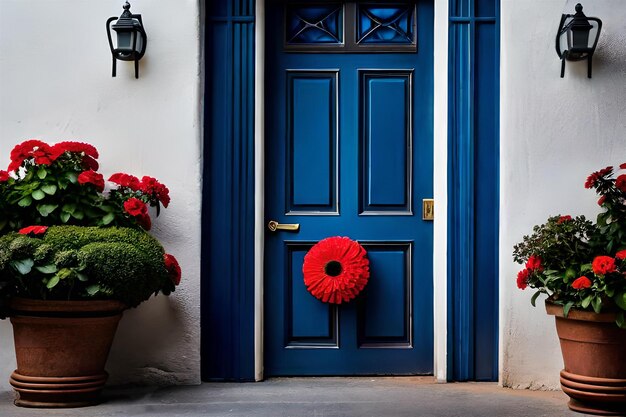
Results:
<point x="581" y="283"/>
<point x="4" y="176"/>
<point x="620" y="182"/>
<point x="564" y="219"/>
<point x="125" y="180"/>
<point x="522" y="279"/>
<point x="92" y="177"/>
<point x="173" y="269"/>
<point x="623" y="166"/>
<point x="40" y="151"/>
<point x="534" y="263"/>
<point x="75" y="147"/>
<point x="621" y="255"/>
<point x="336" y="269"/>
<point x="601" y="200"/>
<point x="36" y="230"/>
<point x="602" y="265"/>
<point x="593" y="178"/>
<point x="138" y="209"/>
<point x="155" y="189"/>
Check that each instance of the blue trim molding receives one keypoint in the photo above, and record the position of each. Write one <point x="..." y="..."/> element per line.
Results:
<point x="228" y="193"/>
<point x="473" y="190"/>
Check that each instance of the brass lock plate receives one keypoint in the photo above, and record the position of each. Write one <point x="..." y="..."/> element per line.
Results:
<point x="428" y="209"/>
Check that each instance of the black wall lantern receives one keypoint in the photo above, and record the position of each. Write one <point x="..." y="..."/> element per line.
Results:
<point x="131" y="38"/>
<point x="577" y="38"/>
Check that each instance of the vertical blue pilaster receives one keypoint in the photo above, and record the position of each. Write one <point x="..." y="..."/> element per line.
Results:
<point x="228" y="193"/>
<point x="473" y="190"/>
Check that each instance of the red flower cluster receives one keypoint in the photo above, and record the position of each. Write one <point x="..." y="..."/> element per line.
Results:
<point x="173" y="268"/>
<point x="92" y="177"/>
<point x="534" y="263"/>
<point x="36" y="230"/>
<point x="620" y="182"/>
<point x="125" y="180"/>
<point x="593" y="178"/>
<point x="603" y="265"/>
<point x="44" y="154"/>
<point x="40" y="151"/>
<point x="155" y="189"/>
<point x="621" y="255"/>
<point x="336" y="269"/>
<point x="564" y="219"/>
<point x="138" y="209"/>
<point x="4" y="176"/>
<point x="522" y="279"/>
<point x="623" y="166"/>
<point x="581" y="283"/>
<point x="75" y="147"/>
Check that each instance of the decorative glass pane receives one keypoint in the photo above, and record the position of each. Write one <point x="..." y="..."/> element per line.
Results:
<point x="314" y="24"/>
<point x="386" y="24"/>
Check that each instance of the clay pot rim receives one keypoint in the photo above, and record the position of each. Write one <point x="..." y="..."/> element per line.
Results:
<point x="18" y="304"/>
<point x="575" y="314"/>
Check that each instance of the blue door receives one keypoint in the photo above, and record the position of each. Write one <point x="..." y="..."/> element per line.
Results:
<point x="349" y="153"/>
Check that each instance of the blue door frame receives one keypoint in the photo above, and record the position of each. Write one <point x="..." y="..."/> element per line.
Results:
<point x="473" y="189"/>
<point x="228" y="345"/>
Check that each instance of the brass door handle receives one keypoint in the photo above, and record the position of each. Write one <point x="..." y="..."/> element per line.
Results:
<point x="273" y="225"/>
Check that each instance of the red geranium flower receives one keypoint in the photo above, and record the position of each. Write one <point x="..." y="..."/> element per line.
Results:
<point x="522" y="279"/>
<point x="623" y="166"/>
<point x="138" y="209"/>
<point x="564" y="219"/>
<point x="581" y="283"/>
<point x="90" y="163"/>
<point x="155" y="189"/>
<point x="4" y="176"/>
<point x="621" y="255"/>
<point x="601" y="200"/>
<point x="534" y="263"/>
<point x="40" y="151"/>
<point x="173" y="268"/>
<point x="602" y="265"/>
<point x="125" y="180"/>
<point x="76" y="147"/>
<point x="620" y="182"/>
<point x="593" y="178"/>
<point x="135" y="207"/>
<point x="92" y="177"/>
<point x="336" y="269"/>
<point x="36" y="230"/>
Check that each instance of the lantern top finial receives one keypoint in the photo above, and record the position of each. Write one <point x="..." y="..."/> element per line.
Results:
<point x="126" y="5"/>
<point x="579" y="8"/>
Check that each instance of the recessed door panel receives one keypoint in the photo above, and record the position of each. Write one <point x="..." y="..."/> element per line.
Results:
<point x="312" y="145"/>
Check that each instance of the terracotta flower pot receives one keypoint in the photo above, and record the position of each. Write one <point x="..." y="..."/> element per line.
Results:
<point x="594" y="355"/>
<point x="61" y="348"/>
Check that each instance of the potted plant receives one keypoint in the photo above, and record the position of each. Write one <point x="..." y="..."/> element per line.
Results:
<point x="581" y="266"/>
<point x="74" y="254"/>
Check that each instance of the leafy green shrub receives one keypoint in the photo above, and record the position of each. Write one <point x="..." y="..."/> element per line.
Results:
<point x="80" y="263"/>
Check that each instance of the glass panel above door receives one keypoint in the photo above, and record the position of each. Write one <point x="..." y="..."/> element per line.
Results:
<point x="314" y="24"/>
<point x="350" y="27"/>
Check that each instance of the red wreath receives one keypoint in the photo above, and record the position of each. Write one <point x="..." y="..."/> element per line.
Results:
<point x="336" y="269"/>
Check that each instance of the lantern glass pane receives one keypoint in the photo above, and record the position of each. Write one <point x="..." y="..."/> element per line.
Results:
<point x="125" y="41"/>
<point x="593" y="33"/>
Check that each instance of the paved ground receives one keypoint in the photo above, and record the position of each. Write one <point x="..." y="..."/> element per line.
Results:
<point x="316" y="397"/>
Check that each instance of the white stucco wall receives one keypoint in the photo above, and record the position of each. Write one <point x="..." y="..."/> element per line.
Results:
<point x="56" y="84"/>
<point x="554" y="132"/>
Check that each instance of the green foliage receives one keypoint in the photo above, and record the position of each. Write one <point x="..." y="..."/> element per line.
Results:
<point x="58" y="184"/>
<point x="77" y="263"/>
<point x="572" y="251"/>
